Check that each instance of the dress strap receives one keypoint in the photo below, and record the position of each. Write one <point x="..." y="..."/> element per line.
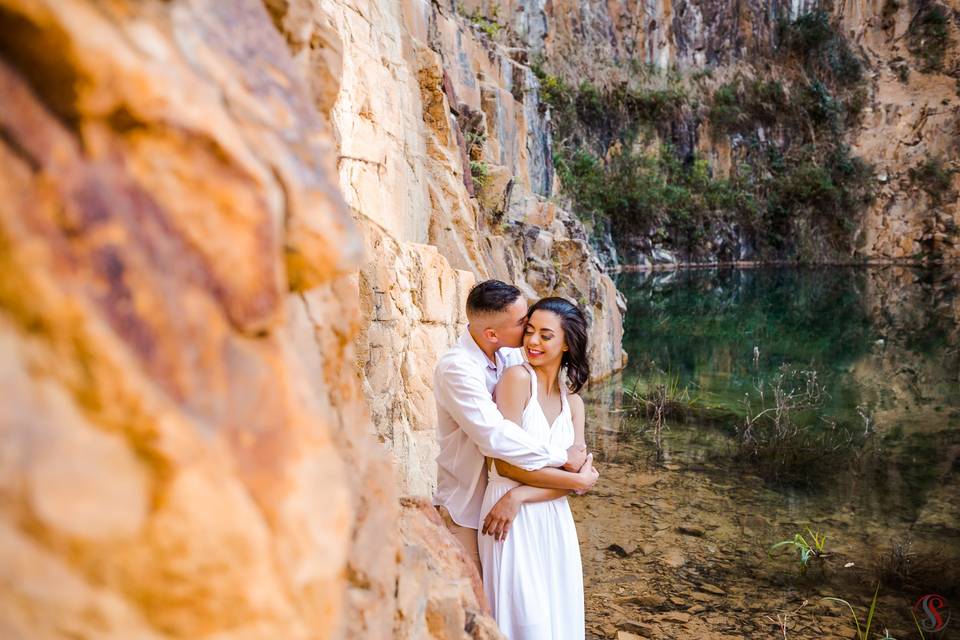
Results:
<point x="564" y="403"/>
<point x="533" y="380"/>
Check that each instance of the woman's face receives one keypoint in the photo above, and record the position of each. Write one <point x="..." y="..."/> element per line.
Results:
<point x="543" y="339"/>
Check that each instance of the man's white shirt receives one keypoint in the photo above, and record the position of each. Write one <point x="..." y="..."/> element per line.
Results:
<point x="471" y="427"/>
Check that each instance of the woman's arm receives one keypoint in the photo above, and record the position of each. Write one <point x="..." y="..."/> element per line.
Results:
<point x="498" y="520"/>
<point x="546" y="478"/>
<point x="577" y="412"/>
<point x="512" y="395"/>
<point x="579" y="415"/>
<point x="550" y="478"/>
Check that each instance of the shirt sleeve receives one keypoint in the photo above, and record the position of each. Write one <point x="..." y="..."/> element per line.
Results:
<point x="465" y="396"/>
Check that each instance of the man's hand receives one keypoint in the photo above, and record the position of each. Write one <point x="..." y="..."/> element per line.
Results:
<point x="588" y="476"/>
<point x="576" y="456"/>
<point x="498" y="521"/>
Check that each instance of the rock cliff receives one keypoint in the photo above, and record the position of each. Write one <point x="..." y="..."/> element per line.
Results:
<point x="234" y="238"/>
<point x="779" y="104"/>
<point x="444" y="160"/>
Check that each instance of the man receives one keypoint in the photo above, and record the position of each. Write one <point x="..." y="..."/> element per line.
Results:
<point x="470" y="426"/>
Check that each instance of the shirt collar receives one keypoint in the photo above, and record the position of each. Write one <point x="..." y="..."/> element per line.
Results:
<point x="473" y="349"/>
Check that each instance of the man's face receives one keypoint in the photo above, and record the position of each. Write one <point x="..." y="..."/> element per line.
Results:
<point x="513" y="321"/>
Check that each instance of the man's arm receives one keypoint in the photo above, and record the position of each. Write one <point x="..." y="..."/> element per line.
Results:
<point x="464" y="394"/>
<point x="500" y="517"/>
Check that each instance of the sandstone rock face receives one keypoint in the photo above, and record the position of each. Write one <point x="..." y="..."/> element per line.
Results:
<point x="906" y="122"/>
<point x="186" y="445"/>
<point x="444" y="160"/>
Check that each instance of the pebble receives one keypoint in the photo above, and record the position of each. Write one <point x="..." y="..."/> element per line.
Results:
<point x="640" y="629"/>
<point x="691" y="530"/>
<point x="623" y="549"/>
<point x="648" y="600"/>
<point x="676" y="616"/>
<point x="673" y="557"/>
<point x="715" y="590"/>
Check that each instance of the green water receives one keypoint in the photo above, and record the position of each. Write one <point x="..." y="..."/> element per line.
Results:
<point x="885" y="344"/>
<point x="719" y="332"/>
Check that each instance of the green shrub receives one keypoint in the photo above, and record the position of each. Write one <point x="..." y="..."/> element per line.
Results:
<point x="726" y="114"/>
<point x="592" y="107"/>
<point x="933" y="177"/>
<point x="929" y="36"/>
<point x="637" y="190"/>
<point x="824" y="52"/>
<point x="809" y="32"/>
<point x="829" y="191"/>
<point x="650" y="105"/>
<point x="765" y="100"/>
<point x="589" y="110"/>
<point x="819" y="105"/>
<point x="740" y="106"/>
<point x="479" y="171"/>
<point x="488" y="25"/>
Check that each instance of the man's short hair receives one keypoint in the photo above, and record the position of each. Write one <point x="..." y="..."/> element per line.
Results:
<point x="491" y="296"/>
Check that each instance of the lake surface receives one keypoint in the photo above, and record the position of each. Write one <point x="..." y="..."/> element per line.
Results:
<point x="676" y="542"/>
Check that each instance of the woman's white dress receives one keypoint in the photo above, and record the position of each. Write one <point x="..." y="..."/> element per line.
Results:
<point x="534" y="580"/>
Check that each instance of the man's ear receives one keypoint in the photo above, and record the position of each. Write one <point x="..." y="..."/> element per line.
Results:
<point x="491" y="336"/>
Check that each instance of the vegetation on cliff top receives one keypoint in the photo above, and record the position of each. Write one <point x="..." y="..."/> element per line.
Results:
<point x="625" y="154"/>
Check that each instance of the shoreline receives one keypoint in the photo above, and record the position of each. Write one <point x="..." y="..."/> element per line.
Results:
<point x="759" y="264"/>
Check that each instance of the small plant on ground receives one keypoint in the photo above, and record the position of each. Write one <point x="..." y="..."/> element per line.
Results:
<point x="917" y="624"/>
<point x="656" y="397"/>
<point x="783" y="619"/>
<point x="807" y="550"/>
<point x="790" y="392"/>
<point x="654" y="405"/>
<point x="862" y="634"/>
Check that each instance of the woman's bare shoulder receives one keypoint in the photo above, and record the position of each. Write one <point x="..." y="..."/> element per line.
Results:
<point x="514" y="375"/>
<point x="576" y="402"/>
<point x="514" y="384"/>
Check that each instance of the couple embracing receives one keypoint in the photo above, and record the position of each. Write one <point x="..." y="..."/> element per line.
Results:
<point x="512" y="447"/>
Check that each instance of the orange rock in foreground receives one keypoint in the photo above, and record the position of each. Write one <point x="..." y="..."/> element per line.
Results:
<point x="185" y="445"/>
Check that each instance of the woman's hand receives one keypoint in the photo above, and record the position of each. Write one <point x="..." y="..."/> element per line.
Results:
<point x="498" y="521"/>
<point x="588" y="476"/>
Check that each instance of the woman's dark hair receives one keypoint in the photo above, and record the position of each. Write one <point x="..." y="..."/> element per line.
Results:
<point x="491" y="296"/>
<point x="574" y="325"/>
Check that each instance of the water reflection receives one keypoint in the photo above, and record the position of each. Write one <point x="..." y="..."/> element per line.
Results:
<point x="885" y="341"/>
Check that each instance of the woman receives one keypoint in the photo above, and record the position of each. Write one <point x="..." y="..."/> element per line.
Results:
<point x="532" y="574"/>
